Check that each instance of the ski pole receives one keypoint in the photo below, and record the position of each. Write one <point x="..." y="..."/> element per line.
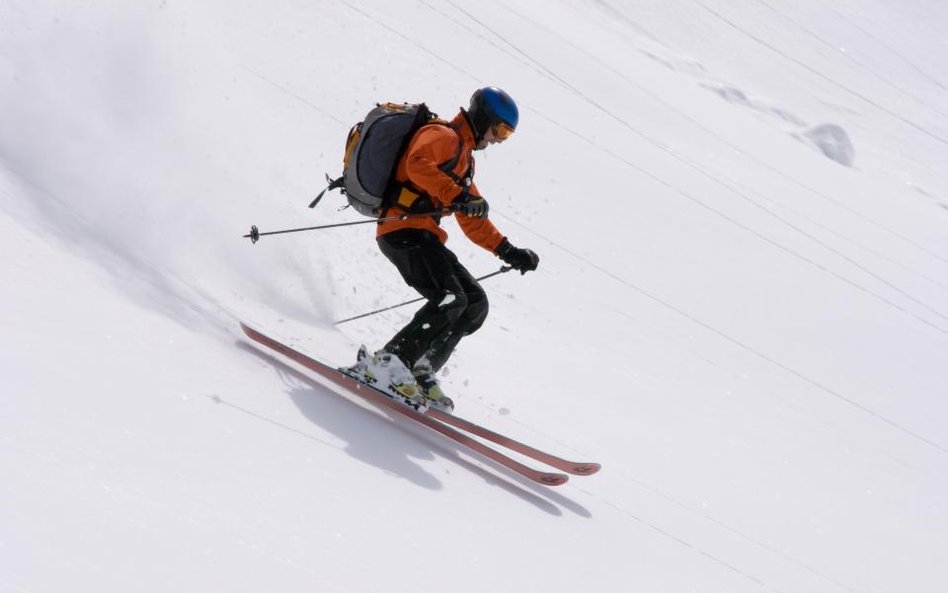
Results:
<point x="255" y="233"/>
<point x="502" y="270"/>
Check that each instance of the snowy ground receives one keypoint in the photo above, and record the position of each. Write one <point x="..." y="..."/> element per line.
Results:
<point x="741" y="211"/>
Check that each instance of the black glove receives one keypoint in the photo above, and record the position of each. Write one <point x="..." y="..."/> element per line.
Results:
<point x="475" y="206"/>
<point x="522" y="260"/>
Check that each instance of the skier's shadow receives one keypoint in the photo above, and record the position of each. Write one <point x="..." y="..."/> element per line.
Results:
<point x="372" y="438"/>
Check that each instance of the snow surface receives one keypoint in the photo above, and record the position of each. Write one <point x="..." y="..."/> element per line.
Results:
<point x="751" y="337"/>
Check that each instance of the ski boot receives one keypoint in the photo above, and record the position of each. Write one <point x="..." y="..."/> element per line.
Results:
<point x="387" y="373"/>
<point x="431" y="389"/>
<point x="360" y="369"/>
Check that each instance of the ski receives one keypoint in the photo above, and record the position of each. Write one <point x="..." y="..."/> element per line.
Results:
<point x="379" y="398"/>
<point x="570" y="467"/>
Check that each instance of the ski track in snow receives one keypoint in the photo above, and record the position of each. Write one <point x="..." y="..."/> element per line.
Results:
<point x="740" y="217"/>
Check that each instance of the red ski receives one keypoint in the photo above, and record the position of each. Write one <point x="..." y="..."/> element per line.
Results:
<point x="379" y="398"/>
<point x="578" y="468"/>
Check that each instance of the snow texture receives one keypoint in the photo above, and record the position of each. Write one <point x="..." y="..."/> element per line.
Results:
<point x="751" y="338"/>
<point x="833" y="141"/>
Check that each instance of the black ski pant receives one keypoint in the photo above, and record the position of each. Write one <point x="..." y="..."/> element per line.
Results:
<point x="456" y="304"/>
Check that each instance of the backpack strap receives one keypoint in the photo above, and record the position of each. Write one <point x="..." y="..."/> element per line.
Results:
<point x="413" y="198"/>
<point x="448" y="168"/>
<point x="333" y="184"/>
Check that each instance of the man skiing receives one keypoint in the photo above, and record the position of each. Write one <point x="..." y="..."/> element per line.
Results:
<point x="436" y="174"/>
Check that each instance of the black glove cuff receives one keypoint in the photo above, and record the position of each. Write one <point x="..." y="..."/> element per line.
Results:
<point x="462" y="198"/>
<point x="504" y="248"/>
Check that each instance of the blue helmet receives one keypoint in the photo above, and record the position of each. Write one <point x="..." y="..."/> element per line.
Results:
<point x="491" y="106"/>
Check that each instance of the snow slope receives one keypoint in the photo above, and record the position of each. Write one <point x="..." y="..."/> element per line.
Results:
<point x="741" y="213"/>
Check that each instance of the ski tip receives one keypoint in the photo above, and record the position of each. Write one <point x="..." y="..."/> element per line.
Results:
<point x="554" y="479"/>
<point x="586" y="469"/>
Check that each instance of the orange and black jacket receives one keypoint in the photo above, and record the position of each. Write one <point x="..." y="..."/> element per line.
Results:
<point x="420" y="169"/>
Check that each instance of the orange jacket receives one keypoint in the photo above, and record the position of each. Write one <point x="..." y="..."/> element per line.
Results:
<point x="434" y="145"/>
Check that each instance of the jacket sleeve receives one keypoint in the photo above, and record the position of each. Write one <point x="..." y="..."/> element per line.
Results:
<point x="433" y="146"/>
<point x="480" y="230"/>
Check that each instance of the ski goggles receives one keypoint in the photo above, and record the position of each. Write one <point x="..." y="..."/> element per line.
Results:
<point x="502" y="131"/>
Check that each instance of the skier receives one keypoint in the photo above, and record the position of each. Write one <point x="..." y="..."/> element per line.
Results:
<point x="436" y="173"/>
